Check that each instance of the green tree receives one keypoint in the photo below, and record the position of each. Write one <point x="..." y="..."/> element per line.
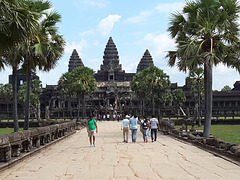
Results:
<point x="196" y="82"/>
<point x="64" y="85"/>
<point x="159" y="82"/>
<point x="206" y="34"/>
<point x="226" y="88"/>
<point x="178" y="98"/>
<point x="35" y="91"/>
<point x="154" y="83"/>
<point x="82" y="82"/>
<point x="138" y="86"/>
<point x="16" y="24"/>
<point x="6" y="90"/>
<point x="44" y="49"/>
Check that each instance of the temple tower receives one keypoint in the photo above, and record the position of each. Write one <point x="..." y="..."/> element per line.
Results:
<point x="75" y="61"/>
<point x="145" y="62"/>
<point x="111" y="58"/>
<point x="111" y="70"/>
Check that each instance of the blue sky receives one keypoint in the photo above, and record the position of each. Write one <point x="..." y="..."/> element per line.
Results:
<point x="134" y="25"/>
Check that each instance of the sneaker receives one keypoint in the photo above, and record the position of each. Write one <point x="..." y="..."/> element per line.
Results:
<point x="90" y="145"/>
<point x="94" y="144"/>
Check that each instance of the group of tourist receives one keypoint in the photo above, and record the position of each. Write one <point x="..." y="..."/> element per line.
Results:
<point x="146" y="126"/>
<point x="128" y="123"/>
<point x="115" y="116"/>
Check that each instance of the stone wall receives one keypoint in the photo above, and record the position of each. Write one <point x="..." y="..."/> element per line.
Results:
<point x="17" y="144"/>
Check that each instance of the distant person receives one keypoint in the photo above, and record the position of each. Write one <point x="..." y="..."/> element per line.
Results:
<point x="133" y="123"/>
<point x="118" y="117"/>
<point x="145" y="126"/>
<point x="154" y="127"/>
<point x="125" y="128"/>
<point x="108" y="117"/>
<point x="114" y="117"/>
<point x="91" y="127"/>
<point x="104" y="117"/>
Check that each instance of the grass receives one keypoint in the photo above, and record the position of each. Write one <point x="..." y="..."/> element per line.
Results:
<point x="9" y="130"/>
<point x="228" y="133"/>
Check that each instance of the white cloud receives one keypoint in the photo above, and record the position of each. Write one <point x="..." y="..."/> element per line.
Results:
<point x="105" y="26"/>
<point x="74" y="45"/>
<point x="129" y="63"/>
<point x="139" y="18"/>
<point x="170" y="7"/>
<point x="159" y="44"/>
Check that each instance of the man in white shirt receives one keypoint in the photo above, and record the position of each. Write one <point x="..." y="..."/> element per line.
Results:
<point x="154" y="127"/>
<point x="125" y="128"/>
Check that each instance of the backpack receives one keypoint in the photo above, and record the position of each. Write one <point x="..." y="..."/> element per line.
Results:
<point x="145" y="124"/>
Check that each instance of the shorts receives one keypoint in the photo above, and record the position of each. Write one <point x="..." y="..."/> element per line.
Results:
<point x="91" y="133"/>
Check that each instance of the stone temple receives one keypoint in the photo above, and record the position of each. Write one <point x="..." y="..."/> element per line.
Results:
<point x="113" y="83"/>
<point x="114" y="94"/>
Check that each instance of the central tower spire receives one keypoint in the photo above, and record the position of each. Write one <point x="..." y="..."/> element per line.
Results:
<point x="110" y="58"/>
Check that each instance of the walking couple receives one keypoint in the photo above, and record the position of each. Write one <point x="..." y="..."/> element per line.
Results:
<point x="128" y="123"/>
<point x="146" y="126"/>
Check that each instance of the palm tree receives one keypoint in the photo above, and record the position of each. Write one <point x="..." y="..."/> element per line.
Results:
<point x="16" y="24"/>
<point x="64" y="85"/>
<point x="83" y="83"/>
<point x="137" y="85"/>
<point x="178" y="98"/>
<point x="196" y="81"/>
<point x="206" y="33"/>
<point x="158" y="83"/>
<point x="35" y="90"/>
<point x="44" y="49"/>
<point x="13" y="58"/>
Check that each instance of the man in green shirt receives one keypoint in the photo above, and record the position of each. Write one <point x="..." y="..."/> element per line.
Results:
<point x="91" y="127"/>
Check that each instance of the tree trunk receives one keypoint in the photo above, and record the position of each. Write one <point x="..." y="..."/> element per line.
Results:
<point x="153" y="105"/>
<point x="159" y="114"/>
<point x="83" y="107"/>
<point x="38" y="113"/>
<point x="208" y="98"/>
<point x="15" y="115"/>
<point x="70" y="108"/>
<point x="78" y="108"/>
<point x="143" y="107"/>
<point x="26" y="121"/>
<point x="199" y="105"/>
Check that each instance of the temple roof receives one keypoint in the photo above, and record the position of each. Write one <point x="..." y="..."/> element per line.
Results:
<point x="110" y="58"/>
<point x="145" y="62"/>
<point x="75" y="61"/>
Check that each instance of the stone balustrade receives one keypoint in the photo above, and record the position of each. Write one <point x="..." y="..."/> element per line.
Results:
<point x="13" y="144"/>
<point x="213" y="144"/>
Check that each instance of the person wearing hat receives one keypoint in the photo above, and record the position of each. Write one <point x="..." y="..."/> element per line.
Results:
<point x="125" y="128"/>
